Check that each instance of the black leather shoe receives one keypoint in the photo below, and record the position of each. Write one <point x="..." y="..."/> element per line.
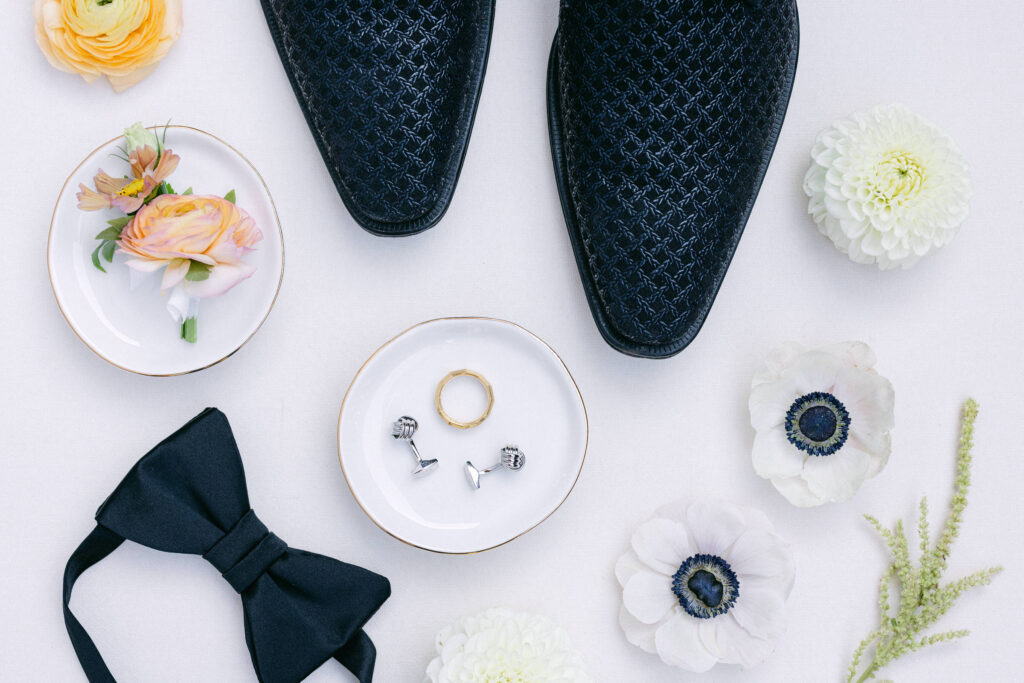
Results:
<point x="390" y="90"/>
<point x="664" y="115"/>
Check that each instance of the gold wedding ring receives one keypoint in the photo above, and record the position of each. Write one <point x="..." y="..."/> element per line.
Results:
<point x="440" y="406"/>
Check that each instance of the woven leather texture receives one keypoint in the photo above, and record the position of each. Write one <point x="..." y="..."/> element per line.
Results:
<point x="664" y="115"/>
<point x="389" y="89"/>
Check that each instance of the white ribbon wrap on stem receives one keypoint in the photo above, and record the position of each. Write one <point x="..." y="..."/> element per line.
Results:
<point x="184" y="310"/>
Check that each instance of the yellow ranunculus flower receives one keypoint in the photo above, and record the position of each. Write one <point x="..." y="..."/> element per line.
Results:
<point x="120" y="39"/>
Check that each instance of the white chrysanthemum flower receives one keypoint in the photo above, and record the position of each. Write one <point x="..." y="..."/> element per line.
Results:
<point x="502" y="646"/>
<point x="823" y="419"/>
<point x="705" y="582"/>
<point x="887" y="186"/>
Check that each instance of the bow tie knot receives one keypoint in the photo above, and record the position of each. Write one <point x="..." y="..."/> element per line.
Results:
<point x="246" y="552"/>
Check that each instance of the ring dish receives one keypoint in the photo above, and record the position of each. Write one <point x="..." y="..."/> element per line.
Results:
<point x="541" y="409"/>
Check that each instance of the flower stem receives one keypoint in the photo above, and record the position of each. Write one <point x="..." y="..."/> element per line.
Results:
<point x="868" y="673"/>
<point x="189" y="330"/>
<point x="190" y="326"/>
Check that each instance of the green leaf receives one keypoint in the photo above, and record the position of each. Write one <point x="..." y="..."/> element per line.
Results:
<point x="119" y="223"/>
<point x="197" y="272"/>
<point x="109" y="234"/>
<point x="230" y="196"/>
<point x="123" y="156"/>
<point x="96" y="258"/>
<point x="186" y="192"/>
<point x="162" y="188"/>
<point x="108" y="250"/>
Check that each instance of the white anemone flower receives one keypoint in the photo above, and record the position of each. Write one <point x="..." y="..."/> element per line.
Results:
<point x="705" y="582"/>
<point x="502" y="646"/>
<point x="823" y="419"/>
<point x="887" y="187"/>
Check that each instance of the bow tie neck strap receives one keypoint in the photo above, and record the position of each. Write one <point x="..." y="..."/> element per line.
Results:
<point x="96" y="546"/>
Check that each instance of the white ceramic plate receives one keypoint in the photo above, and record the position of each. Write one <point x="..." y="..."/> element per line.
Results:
<point x="537" y="407"/>
<point x="131" y="328"/>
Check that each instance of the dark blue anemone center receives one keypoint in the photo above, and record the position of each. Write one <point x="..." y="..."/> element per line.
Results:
<point x="818" y="424"/>
<point x="706" y="586"/>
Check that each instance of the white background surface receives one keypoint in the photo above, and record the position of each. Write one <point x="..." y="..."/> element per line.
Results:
<point x="72" y="425"/>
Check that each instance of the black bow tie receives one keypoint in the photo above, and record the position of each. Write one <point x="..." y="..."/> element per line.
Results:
<point x="188" y="495"/>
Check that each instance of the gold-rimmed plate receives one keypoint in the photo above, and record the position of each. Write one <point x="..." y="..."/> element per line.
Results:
<point x="130" y="328"/>
<point x="537" y="407"/>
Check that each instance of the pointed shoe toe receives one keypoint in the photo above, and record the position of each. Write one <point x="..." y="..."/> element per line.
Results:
<point x="390" y="91"/>
<point x="663" y="117"/>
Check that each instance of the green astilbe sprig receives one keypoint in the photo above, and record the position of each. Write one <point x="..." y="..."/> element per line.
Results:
<point x="922" y="597"/>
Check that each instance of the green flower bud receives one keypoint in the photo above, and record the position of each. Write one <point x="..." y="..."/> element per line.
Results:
<point x="140" y="136"/>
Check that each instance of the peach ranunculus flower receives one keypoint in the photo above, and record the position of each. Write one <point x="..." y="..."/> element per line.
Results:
<point x="200" y="240"/>
<point x="123" y="40"/>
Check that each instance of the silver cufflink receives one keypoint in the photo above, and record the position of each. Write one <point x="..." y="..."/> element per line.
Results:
<point x="403" y="430"/>
<point x="512" y="458"/>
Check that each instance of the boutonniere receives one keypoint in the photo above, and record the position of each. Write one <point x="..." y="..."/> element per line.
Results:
<point x="198" y="241"/>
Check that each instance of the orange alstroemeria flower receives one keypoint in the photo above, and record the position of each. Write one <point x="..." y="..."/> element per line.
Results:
<point x="149" y="169"/>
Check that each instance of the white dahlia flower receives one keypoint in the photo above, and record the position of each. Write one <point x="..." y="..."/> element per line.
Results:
<point x="823" y="419"/>
<point x="887" y="187"/>
<point x="501" y="646"/>
<point x="705" y="582"/>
